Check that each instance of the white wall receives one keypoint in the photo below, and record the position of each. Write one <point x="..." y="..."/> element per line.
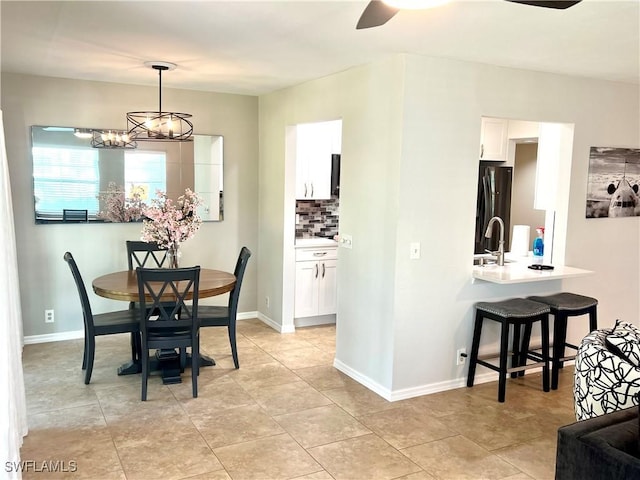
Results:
<point x="45" y="280"/>
<point x="411" y="128"/>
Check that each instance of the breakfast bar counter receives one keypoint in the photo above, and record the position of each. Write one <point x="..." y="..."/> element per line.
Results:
<point x="519" y="272"/>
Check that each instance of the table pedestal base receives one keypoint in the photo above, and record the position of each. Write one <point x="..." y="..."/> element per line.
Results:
<point x="168" y="361"/>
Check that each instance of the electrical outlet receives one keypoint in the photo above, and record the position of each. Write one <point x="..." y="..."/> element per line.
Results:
<point x="48" y="316"/>
<point x="267" y="301"/>
<point x="461" y="356"/>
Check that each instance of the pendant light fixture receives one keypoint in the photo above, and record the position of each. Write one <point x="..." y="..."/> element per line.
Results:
<point x="112" y="139"/>
<point x="159" y="126"/>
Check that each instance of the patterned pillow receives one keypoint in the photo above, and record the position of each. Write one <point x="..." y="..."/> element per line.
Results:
<point x="624" y="340"/>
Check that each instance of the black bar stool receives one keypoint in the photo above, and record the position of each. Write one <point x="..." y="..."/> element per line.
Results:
<point x="564" y="305"/>
<point x="517" y="312"/>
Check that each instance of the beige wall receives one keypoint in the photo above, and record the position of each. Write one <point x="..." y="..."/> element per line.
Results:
<point x="411" y="129"/>
<point x="45" y="281"/>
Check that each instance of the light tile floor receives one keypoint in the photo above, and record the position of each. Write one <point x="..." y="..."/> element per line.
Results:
<point x="286" y="413"/>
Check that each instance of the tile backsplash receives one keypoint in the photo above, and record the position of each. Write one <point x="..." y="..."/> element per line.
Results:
<point x="317" y="218"/>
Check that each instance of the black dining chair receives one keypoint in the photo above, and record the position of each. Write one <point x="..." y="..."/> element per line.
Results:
<point x="167" y="325"/>
<point x="121" y="321"/>
<point x="220" y="316"/>
<point x="143" y="254"/>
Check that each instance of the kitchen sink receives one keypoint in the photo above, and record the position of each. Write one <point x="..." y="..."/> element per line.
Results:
<point x="485" y="260"/>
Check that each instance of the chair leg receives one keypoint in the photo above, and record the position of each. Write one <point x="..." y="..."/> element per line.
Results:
<point x="593" y="318"/>
<point x="544" y="326"/>
<point x="135" y="347"/>
<point x="90" y="352"/>
<point x="504" y="346"/>
<point x="516" y="359"/>
<point x="475" y="345"/>
<point x="86" y="348"/>
<point x="559" y="340"/>
<point x="145" y="371"/>
<point x="195" y="366"/>
<point x="526" y="343"/>
<point x="234" y="348"/>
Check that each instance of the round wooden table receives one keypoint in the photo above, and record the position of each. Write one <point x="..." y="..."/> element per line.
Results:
<point x="124" y="285"/>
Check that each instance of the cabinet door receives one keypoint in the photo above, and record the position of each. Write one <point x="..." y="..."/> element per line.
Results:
<point x="493" y="139"/>
<point x="327" y="287"/>
<point x="313" y="161"/>
<point x="306" y="296"/>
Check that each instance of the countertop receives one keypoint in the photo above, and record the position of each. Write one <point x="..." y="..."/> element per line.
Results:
<point x="518" y="272"/>
<point x="314" y="242"/>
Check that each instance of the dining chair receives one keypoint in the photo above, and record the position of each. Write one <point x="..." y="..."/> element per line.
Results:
<point x="171" y="325"/>
<point x="110" y="323"/>
<point x="143" y="254"/>
<point x="220" y="316"/>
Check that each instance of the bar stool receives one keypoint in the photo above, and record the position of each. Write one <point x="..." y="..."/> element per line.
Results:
<point x="516" y="312"/>
<point x="564" y="305"/>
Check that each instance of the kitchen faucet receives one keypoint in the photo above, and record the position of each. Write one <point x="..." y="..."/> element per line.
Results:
<point x="500" y="253"/>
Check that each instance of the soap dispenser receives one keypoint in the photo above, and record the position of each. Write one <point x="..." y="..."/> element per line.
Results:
<point x="538" y="243"/>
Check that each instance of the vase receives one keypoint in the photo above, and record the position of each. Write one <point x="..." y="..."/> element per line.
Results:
<point x="173" y="255"/>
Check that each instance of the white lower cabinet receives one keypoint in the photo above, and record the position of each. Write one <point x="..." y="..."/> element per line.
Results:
<point x="316" y="286"/>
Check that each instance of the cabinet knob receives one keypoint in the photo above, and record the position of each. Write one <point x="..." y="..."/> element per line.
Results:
<point x="316" y="270"/>
<point x="323" y="270"/>
<point x="481" y="150"/>
<point x="319" y="254"/>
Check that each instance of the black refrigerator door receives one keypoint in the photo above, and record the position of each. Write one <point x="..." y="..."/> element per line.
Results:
<point x="494" y="200"/>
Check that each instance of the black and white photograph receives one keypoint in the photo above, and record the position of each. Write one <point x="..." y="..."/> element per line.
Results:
<point x="613" y="182"/>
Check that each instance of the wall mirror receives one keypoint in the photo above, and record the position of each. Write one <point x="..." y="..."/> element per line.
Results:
<point x="74" y="182"/>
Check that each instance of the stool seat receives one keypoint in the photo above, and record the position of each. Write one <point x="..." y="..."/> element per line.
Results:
<point x="514" y="308"/>
<point x="564" y="305"/>
<point x="566" y="301"/>
<point x="516" y="313"/>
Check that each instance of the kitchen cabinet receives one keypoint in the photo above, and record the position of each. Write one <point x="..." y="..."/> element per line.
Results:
<point x="493" y="139"/>
<point x="316" y="285"/>
<point x="315" y="142"/>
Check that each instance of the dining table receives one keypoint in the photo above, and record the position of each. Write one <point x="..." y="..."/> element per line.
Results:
<point x="123" y="285"/>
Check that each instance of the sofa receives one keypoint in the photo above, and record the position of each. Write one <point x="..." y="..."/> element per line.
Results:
<point x="605" y="441"/>
<point x="600" y="448"/>
<point x="607" y="371"/>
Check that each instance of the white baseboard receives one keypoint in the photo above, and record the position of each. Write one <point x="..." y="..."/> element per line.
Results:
<point x="411" y="392"/>
<point x="53" y="337"/>
<point x="75" y="334"/>
<point x="275" y="325"/>
<point x="313" y="321"/>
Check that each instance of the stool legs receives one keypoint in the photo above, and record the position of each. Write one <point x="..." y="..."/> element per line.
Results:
<point x="504" y="346"/>
<point x="559" y="340"/>
<point x="475" y="345"/>
<point x="544" y="325"/>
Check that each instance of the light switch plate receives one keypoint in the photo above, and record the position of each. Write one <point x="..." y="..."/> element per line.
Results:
<point x="346" y="241"/>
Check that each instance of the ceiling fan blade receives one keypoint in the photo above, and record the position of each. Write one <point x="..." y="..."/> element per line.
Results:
<point x="560" y="4"/>
<point x="375" y="14"/>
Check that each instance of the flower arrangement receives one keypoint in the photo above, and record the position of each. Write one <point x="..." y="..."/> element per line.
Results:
<point x="119" y="208"/>
<point x="169" y="224"/>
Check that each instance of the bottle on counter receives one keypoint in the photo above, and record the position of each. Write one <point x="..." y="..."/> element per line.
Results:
<point x="538" y="243"/>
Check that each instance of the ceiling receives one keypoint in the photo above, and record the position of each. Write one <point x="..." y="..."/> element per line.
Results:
<point x="257" y="47"/>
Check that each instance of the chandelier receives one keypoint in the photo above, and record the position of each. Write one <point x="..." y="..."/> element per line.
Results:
<point x="112" y="139"/>
<point x="161" y="126"/>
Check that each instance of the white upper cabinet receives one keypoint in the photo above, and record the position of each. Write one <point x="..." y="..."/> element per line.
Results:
<point x="493" y="139"/>
<point x="315" y="142"/>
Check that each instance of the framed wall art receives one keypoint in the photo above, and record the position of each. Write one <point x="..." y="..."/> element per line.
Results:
<point x="613" y="182"/>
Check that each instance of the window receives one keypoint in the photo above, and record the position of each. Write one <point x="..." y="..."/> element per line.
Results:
<point x="145" y="172"/>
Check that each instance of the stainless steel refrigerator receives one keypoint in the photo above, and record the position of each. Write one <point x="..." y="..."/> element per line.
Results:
<point x="494" y="200"/>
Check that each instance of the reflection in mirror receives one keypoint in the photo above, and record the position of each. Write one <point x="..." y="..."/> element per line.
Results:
<point x="71" y="175"/>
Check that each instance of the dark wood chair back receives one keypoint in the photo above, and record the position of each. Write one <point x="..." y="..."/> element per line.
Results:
<point x="169" y="323"/>
<point x="145" y="254"/>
